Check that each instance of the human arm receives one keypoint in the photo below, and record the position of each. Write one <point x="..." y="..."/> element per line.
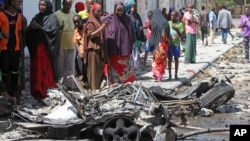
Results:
<point x="177" y="29"/>
<point x="3" y="26"/>
<point x="243" y="21"/>
<point x="219" y="19"/>
<point x="92" y="34"/>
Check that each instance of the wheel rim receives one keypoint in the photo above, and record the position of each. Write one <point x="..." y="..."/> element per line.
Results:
<point x="171" y="134"/>
<point x="120" y="129"/>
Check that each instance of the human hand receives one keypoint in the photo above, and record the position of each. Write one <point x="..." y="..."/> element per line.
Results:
<point x="35" y="25"/>
<point x="61" y="26"/>
<point x="104" y="25"/>
<point x="5" y="35"/>
<point x="174" y="26"/>
<point x="80" y="55"/>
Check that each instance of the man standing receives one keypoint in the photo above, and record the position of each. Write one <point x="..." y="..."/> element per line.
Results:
<point x="11" y="26"/>
<point x="203" y="24"/>
<point x="245" y="25"/>
<point x="224" y="23"/>
<point x="67" y="47"/>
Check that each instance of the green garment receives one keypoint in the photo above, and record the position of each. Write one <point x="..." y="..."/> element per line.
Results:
<point x="190" y="48"/>
<point x="176" y="39"/>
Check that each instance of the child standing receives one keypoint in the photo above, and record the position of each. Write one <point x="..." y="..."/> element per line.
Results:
<point x="79" y="40"/>
<point x="176" y="32"/>
<point x="148" y="34"/>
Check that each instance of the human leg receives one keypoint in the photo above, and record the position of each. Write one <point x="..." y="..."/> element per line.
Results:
<point x="224" y="32"/>
<point x="171" y="54"/>
<point x="203" y="28"/>
<point x="147" y="49"/>
<point x="177" y="54"/>
<point x="5" y="64"/>
<point x="138" y="45"/>
<point x="70" y="67"/>
<point x="230" y="33"/>
<point x="246" y="47"/>
<point x="61" y="65"/>
<point x="212" y="33"/>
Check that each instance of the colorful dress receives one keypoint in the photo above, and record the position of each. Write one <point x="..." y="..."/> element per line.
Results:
<point x="159" y="61"/>
<point x="43" y="45"/>
<point x="120" y="39"/>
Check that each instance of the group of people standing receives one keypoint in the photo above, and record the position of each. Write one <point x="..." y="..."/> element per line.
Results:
<point x="56" y="41"/>
<point x="84" y="42"/>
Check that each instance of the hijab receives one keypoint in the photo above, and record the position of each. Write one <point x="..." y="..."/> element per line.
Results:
<point x="158" y="26"/>
<point x="138" y="21"/>
<point x="114" y="33"/>
<point x="79" y="6"/>
<point x="48" y="35"/>
<point x="96" y="22"/>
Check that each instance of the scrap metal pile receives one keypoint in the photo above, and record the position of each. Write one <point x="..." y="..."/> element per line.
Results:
<point x="117" y="112"/>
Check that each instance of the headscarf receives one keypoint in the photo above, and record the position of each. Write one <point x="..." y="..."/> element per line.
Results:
<point x="79" y="6"/>
<point x="97" y="24"/>
<point x="48" y="35"/>
<point x="114" y="33"/>
<point x="158" y="25"/>
<point x="171" y="9"/>
<point x="138" y="21"/>
<point x="128" y="4"/>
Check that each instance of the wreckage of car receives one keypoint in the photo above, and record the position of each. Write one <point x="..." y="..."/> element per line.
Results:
<point x="116" y="112"/>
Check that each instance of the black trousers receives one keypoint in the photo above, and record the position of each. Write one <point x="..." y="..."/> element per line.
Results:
<point x="9" y="65"/>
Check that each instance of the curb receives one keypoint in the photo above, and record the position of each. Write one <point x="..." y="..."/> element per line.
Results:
<point x="197" y="71"/>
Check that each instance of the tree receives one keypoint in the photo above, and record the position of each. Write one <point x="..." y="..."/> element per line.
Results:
<point x="227" y="3"/>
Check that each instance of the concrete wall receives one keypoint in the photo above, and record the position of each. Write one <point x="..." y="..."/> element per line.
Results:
<point x="30" y="9"/>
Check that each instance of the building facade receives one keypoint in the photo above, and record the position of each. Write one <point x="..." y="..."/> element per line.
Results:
<point x="30" y="7"/>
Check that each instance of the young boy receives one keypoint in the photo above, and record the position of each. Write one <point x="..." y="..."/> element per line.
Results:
<point x="79" y="40"/>
<point x="176" y="32"/>
<point x="148" y="34"/>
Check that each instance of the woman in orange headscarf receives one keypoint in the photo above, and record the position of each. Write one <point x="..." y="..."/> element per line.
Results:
<point x="95" y="47"/>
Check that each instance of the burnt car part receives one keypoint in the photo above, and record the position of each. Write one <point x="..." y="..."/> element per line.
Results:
<point x="121" y="128"/>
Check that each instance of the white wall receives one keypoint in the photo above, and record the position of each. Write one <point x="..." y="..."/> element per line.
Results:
<point x="30" y="9"/>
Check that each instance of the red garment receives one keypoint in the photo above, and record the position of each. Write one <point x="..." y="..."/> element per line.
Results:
<point x="79" y="6"/>
<point x="148" y="34"/>
<point x="41" y="74"/>
<point x="121" y="69"/>
<point x="159" y="61"/>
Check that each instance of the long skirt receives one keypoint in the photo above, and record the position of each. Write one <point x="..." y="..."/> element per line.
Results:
<point x="159" y="60"/>
<point x="95" y="69"/>
<point x="41" y="73"/>
<point x="121" y="69"/>
<point x="190" y="48"/>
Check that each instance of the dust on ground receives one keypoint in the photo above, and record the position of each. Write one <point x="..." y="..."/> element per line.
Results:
<point x="237" y="110"/>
